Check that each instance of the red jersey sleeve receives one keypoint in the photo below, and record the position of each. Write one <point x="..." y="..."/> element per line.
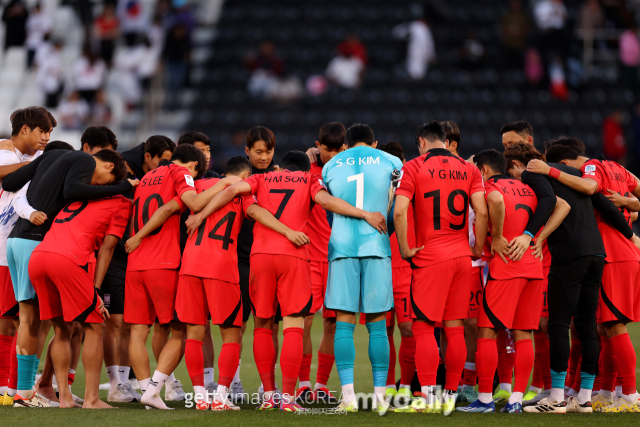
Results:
<point x="595" y="171"/>
<point x="178" y="199"/>
<point x="182" y="180"/>
<point x="489" y="187"/>
<point x="315" y="186"/>
<point x="406" y="184"/>
<point x="631" y="180"/>
<point x="120" y="220"/>
<point x="476" y="180"/>
<point x="254" y="182"/>
<point x="246" y="202"/>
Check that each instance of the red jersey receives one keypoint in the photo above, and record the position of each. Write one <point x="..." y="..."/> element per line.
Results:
<point x="520" y="203"/>
<point x="439" y="185"/>
<point x="161" y="248"/>
<point x="79" y="229"/>
<point x="611" y="176"/>
<point x="289" y="197"/>
<point x="212" y="252"/>
<point x="318" y="228"/>
<point x="396" y="259"/>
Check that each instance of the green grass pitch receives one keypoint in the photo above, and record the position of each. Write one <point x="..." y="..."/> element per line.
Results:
<point x="135" y="414"/>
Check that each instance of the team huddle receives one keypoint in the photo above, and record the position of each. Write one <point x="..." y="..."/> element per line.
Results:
<point x="476" y="260"/>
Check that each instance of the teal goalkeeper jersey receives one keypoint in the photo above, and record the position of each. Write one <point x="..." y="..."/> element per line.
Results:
<point x="362" y="177"/>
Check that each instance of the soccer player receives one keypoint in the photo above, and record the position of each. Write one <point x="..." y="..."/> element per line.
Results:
<point x="55" y="177"/>
<point x="618" y="304"/>
<point x="152" y="275"/>
<point x="96" y="138"/>
<point x="512" y="296"/>
<point x="360" y="276"/>
<point x="330" y="142"/>
<point x="440" y="186"/>
<point x="66" y="293"/>
<point x="515" y="132"/>
<point x="279" y="269"/>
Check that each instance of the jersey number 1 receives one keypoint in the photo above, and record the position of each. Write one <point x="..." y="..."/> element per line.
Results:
<point x="359" y="179"/>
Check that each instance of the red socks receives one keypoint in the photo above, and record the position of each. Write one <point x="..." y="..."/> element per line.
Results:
<point x="305" y="367"/>
<point x="71" y="378"/>
<point x="542" y="364"/>
<point x="523" y="365"/>
<point x="325" y="364"/>
<point x="470" y="377"/>
<point x="455" y="357"/>
<point x="195" y="362"/>
<point x="625" y="361"/>
<point x="427" y="349"/>
<point x="263" y="354"/>
<point x="407" y="356"/>
<point x="13" y="366"/>
<point x="574" y="356"/>
<point x="228" y="363"/>
<point x="5" y="359"/>
<point x="391" y="375"/>
<point x="505" y="359"/>
<point x="291" y="359"/>
<point x="486" y="364"/>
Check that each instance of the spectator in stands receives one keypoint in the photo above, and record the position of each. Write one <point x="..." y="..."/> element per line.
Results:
<point x="353" y="47"/>
<point x="533" y="67"/>
<point x="613" y="143"/>
<point x="421" y="48"/>
<point x="74" y="112"/>
<point x="136" y="65"/>
<point x="266" y="70"/>
<point x="630" y="57"/>
<point x="558" y="82"/>
<point x="182" y="15"/>
<point x="132" y="18"/>
<point x="472" y="52"/>
<point x="89" y="73"/>
<point x="39" y="25"/>
<point x="15" y="16"/>
<point x="346" y="70"/>
<point x="101" y="111"/>
<point x="591" y="16"/>
<point x="50" y="73"/>
<point x="106" y="29"/>
<point x="177" y="50"/>
<point x="515" y="27"/>
<point x="551" y="17"/>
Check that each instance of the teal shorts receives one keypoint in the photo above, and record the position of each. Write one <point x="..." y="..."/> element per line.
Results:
<point x="360" y="285"/>
<point x="18" y="256"/>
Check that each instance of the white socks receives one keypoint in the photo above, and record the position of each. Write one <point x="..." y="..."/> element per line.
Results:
<point x="630" y="397"/>
<point x="505" y="386"/>
<point x="208" y="376"/>
<point x="304" y="384"/>
<point x="557" y="395"/>
<point x="236" y="377"/>
<point x="404" y="386"/>
<point x="319" y="386"/>
<point x="584" y="395"/>
<point x="470" y="366"/>
<point x="485" y="397"/>
<point x="379" y="393"/>
<point x="606" y="394"/>
<point x="144" y="384"/>
<point x="348" y="393"/>
<point x="3" y="390"/>
<point x="536" y="390"/>
<point x="618" y="390"/>
<point x="170" y="379"/>
<point x="114" y="376"/>
<point x="151" y="397"/>
<point x="221" y="394"/>
<point x="124" y="371"/>
<point x="515" y="397"/>
<point x="200" y="393"/>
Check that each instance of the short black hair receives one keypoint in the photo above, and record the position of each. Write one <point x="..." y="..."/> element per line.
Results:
<point x="431" y="131"/>
<point x="451" y="131"/>
<point x="58" y="145"/>
<point x="559" y="152"/>
<point x="520" y="127"/>
<point x="567" y="141"/>
<point x="119" y="169"/>
<point x="493" y="159"/>
<point x="99" y="136"/>
<point x="332" y="135"/>
<point x="33" y="117"/>
<point x="158" y="144"/>
<point x="236" y="165"/>
<point x="394" y="148"/>
<point x="296" y="160"/>
<point x="191" y="137"/>
<point x="359" y="132"/>
<point x="186" y="153"/>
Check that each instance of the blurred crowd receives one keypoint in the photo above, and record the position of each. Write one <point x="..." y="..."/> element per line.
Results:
<point x="133" y="46"/>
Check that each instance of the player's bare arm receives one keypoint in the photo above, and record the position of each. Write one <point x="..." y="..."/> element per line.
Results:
<point x="158" y="218"/>
<point x="400" y="223"/>
<point x="340" y="207"/>
<point x="7" y="169"/>
<point x="265" y="218"/>
<point x="584" y="185"/>
<point x="499" y="243"/>
<point x="196" y="202"/>
<point x="219" y="200"/>
<point x="631" y="202"/>
<point x="560" y="212"/>
<point x="479" y="206"/>
<point x="103" y="259"/>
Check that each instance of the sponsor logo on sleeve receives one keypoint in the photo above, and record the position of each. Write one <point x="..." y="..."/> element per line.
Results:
<point x="189" y="180"/>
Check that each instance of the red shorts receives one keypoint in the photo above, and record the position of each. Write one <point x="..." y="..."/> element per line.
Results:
<point x="545" y="286"/>
<point x="402" y="293"/>
<point x="512" y="304"/>
<point x="441" y="291"/>
<point x="8" y="303"/>
<point x="150" y="293"/>
<point x="476" y="280"/>
<point x="620" y="292"/>
<point x="91" y="268"/>
<point x="64" y="289"/>
<point x="388" y="318"/>
<point x="279" y="279"/>
<point x="199" y="297"/>
<point x="319" y="274"/>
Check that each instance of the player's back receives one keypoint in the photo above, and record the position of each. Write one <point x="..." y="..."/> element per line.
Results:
<point x="161" y="249"/>
<point x="288" y="195"/>
<point x="440" y="185"/>
<point x="212" y="251"/>
<point x="361" y="176"/>
<point x="79" y="229"/>
<point x="318" y="228"/>
<point x="520" y="203"/>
